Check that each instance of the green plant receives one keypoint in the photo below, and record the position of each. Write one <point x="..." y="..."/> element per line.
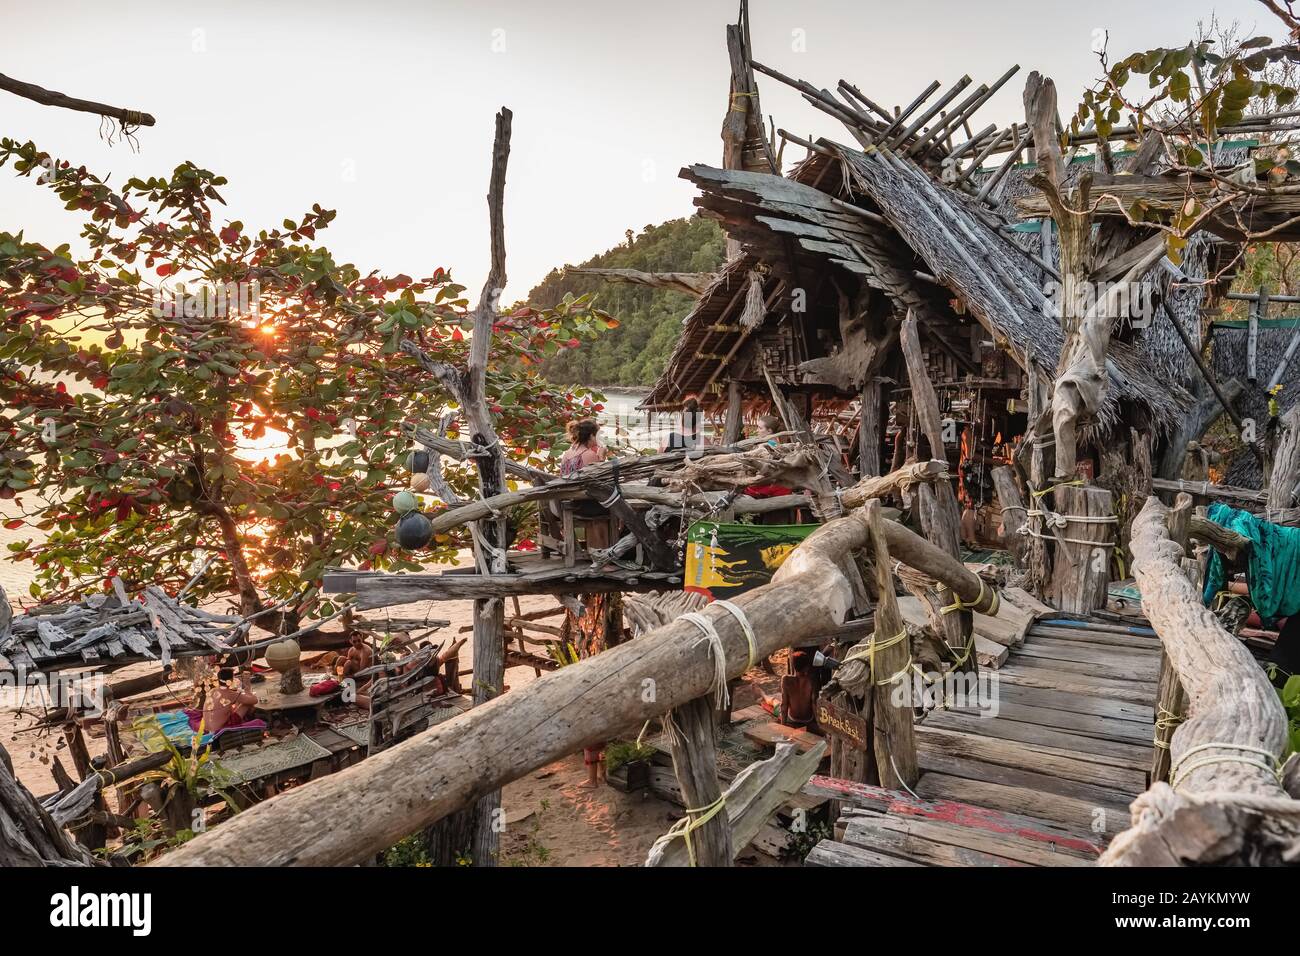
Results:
<point x="622" y="752"/>
<point x="409" y="851"/>
<point x="1290" y="696"/>
<point x="802" y="841"/>
<point x="146" y="840"/>
<point x="186" y="781"/>
<point x="256" y="415"/>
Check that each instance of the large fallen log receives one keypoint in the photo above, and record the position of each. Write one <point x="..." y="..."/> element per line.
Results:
<point x="416" y="783"/>
<point x="1225" y="803"/>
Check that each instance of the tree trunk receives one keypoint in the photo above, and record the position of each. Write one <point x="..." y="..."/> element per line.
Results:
<point x="1082" y="569"/>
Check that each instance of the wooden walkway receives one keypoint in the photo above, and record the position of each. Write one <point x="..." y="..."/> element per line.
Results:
<point x="1045" y="782"/>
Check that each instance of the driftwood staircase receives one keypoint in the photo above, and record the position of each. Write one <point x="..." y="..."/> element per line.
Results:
<point x="1045" y="782"/>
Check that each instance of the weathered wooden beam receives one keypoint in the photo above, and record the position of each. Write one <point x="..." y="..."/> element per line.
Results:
<point x="891" y="721"/>
<point x="751" y="799"/>
<point x="691" y="730"/>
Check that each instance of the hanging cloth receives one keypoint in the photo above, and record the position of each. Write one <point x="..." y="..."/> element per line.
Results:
<point x="1273" y="566"/>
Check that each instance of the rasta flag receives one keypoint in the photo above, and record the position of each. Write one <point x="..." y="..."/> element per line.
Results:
<point x="723" y="560"/>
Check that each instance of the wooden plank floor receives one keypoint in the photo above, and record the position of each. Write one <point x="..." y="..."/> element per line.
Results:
<point x="1044" y="778"/>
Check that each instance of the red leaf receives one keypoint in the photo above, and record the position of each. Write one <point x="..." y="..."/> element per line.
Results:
<point x="15" y="524"/>
<point x="229" y="235"/>
<point x="457" y="335"/>
<point x="165" y="269"/>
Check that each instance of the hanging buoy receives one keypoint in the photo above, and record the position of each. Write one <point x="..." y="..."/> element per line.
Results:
<point x="418" y="462"/>
<point x="404" y="502"/>
<point x="420" y="481"/>
<point x="414" y="531"/>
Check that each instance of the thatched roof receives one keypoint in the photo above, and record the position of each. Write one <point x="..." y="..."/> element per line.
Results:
<point x="902" y="220"/>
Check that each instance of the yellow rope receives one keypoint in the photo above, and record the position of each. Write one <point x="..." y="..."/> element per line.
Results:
<point x="733" y="101"/>
<point x="1166" y="720"/>
<point x="684" y="826"/>
<point x="959" y="605"/>
<point x="1050" y="489"/>
<point x="873" y="647"/>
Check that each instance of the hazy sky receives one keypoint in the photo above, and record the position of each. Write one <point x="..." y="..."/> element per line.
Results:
<point x="383" y="110"/>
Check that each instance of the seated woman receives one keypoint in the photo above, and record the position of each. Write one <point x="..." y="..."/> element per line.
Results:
<point x="228" y="705"/>
<point x="585" y="449"/>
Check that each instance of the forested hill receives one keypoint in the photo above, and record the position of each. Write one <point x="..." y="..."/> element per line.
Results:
<point x="649" y="319"/>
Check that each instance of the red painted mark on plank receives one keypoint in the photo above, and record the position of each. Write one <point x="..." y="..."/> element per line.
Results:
<point x="945" y="811"/>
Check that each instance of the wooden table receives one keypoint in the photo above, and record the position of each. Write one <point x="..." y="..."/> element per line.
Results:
<point x="271" y="700"/>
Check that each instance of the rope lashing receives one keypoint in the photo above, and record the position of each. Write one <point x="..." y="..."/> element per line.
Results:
<point x="959" y="605"/>
<point x="745" y="626"/>
<point x="691" y="822"/>
<point x="1050" y="488"/>
<point x="721" y="696"/>
<point x="1166" y="720"/>
<point x="736" y="94"/>
<point x="1269" y="764"/>
<point x="873" y="648"/>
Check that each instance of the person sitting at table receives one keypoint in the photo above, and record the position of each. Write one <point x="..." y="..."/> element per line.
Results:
<point x="228" y="704"/>
<point x="359" y="656"/>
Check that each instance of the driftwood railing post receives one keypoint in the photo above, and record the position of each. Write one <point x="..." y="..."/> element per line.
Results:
<point x="892" y="739"/>
<point x="469" y="388"/>
<point x="1225" y="803"/>
<point x="1084" y="529"/>
<point x="940" y="517"/>
<point x="691" y="737"/>
<point x="1014" y="513"/>
<point x="1170" y="701"/>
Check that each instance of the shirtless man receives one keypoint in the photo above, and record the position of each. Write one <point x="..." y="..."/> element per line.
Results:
<point x="358" y="657"/>
<point x="228" y="705"/>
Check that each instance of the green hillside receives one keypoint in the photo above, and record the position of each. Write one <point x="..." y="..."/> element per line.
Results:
<point x="649" y="319"/>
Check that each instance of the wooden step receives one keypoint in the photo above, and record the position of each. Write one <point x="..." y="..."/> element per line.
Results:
<point x="1065" y="764"/>
<point x="1109" y="668"/>
<point x="928" y="840"/>
<point x="1126" y="754"/>
<point x="1022" y="673"/>
<point x="867" y="834"/>
<point x="831" y="853"/>
<point x="1111" y="818"/>
<point x="1086" y="725"/>
<point x="1096" y="704"/>
<point x="865" y="798"/>
<point x="1016" y="777"/>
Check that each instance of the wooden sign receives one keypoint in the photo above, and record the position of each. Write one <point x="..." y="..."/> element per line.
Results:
<point x="843" y="723"/>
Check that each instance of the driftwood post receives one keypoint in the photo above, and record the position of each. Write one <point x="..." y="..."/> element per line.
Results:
<point x="1225" y="803"/>
<point x="469" y="388"/>
<point x="869" y="430"/>
<point x="940" y="517"/>
<point x="1170" y="700"/>
<point x="892" y="740"/>
<point x="735" y="414"/>
<point x="1081" y="573"/>
<point x="1014" y="514"/>
<point x="691" y="737"/>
